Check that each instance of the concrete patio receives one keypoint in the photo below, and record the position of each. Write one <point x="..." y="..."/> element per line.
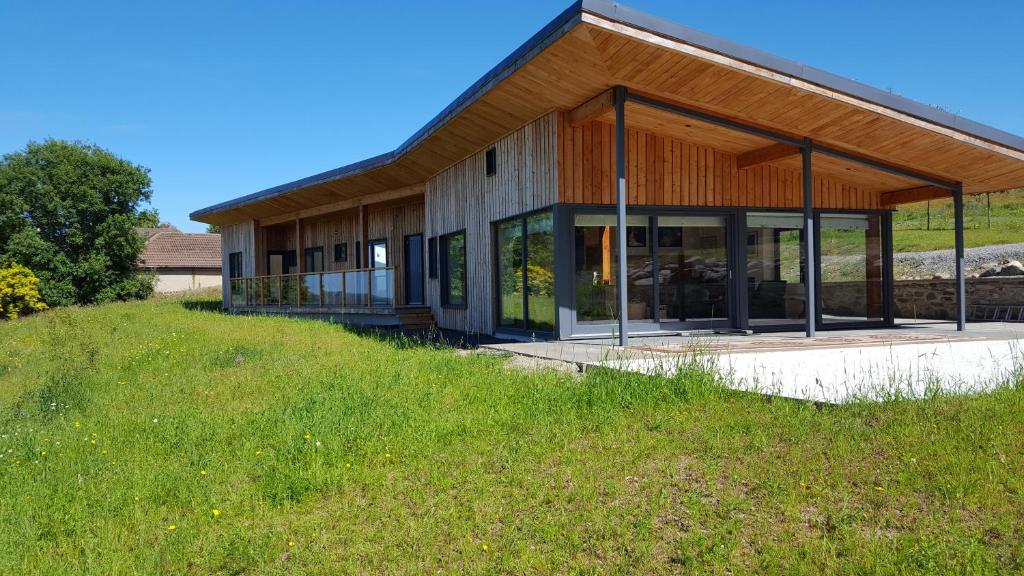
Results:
<point x="834" y="367"/>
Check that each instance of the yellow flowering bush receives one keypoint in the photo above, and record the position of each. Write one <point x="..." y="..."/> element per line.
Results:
<point x="19" y="292"/>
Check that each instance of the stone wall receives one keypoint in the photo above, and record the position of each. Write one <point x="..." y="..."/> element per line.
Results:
<point x="936" y="299"/>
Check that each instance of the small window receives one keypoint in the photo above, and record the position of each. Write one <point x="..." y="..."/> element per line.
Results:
<point x="359" y="255"/>
<point x="235" y="265"/>
<point x="341" y="252"/>
<point x="453" y="270"/>
<point x="432" y="257"/>
<point x="491" y="159"/>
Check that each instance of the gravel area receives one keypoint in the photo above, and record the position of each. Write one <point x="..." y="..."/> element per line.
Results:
<point x="926" y="264"/>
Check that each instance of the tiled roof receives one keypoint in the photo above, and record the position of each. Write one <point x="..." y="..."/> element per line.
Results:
<point x="171" y="248"/>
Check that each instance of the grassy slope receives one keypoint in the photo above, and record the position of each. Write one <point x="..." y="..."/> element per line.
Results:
<point x="425" y="456"/>
<point x="910" y="223"/>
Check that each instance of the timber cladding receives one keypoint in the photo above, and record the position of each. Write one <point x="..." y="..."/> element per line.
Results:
<point x="237" y="238"/>
<point x="464" y="197"/>
<point x="664" y="171"/>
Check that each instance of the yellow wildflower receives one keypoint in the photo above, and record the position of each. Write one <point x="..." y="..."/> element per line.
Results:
<point x="202" y="472"/>
<point x="485" y="547"/>
<point x="172" y="527"/>
<point x="78" y="424"/>
<point x="215" y="512"/>
<point x="291" y="543"/>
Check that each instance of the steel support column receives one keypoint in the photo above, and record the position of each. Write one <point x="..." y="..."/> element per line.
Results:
<point x="810" y="264"/>
<point x="620" y="209"/>
<point x="958" y="232"/>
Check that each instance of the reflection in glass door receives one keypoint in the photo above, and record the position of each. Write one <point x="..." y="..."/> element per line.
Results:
<point x="380" y="280"/>
<point x="851" y="268"/>
<point x="526" y="287"/>
<point x="693" y="269"/>
<point x="776" y="291"/>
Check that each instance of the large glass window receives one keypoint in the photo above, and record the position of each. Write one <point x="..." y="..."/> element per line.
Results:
<point x="776" y="287"/>
<point x="596" y="262"/>
<point x="526" y="287"/>
<point x="453" y="269"/>
<point x="693" y="267"/>
<point x="540" y="272"/>
<point x="851" y="268"/>
<point x="510" y="274"/>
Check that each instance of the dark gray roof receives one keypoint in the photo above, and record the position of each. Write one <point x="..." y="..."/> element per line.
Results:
<point x="662" y="27"/>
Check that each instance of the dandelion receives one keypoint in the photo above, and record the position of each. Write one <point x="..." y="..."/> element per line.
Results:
<point x="349" y="465"/>
<point x="215" y="512"/>
<point x="291" y="543"/>
<point x="202" y="472"/>
<point x="92" y="441"/>
<point x="93" y="434"/>
<point x="78" y="424"/>
<point x="259" y="452"/>
<point x="308" y="436"/>
<point x="172" y="527"/>
<point x="136" y="498"/>
<point x="485" y="547"/>
<point x="44" y="453"/>
<point x="387" y="454"/>
<point x="879" y="488"/>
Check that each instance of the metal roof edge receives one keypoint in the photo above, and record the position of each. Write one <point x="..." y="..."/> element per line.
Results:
<point x="547" y="35"/>
<point x="614" y="11"/>
<point x="675" y="31"/>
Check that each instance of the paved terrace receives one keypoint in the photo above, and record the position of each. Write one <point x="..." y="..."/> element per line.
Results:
<point x="909" y="361"/>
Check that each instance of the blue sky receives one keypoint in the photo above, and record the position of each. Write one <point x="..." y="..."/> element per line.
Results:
<point x="220" y="99"/>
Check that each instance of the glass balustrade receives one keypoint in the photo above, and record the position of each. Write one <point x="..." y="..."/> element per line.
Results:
<point x="363" y="288"/>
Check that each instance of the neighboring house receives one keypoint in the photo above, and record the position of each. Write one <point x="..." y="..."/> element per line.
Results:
<point x="726" y="167"/>
<point x="182" y="261"/>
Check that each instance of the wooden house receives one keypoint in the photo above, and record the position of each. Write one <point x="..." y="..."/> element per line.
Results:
<point x="619" y="174"/>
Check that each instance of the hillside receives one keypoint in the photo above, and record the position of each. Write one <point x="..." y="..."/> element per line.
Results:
<point x="912" y="231"/>
<point x="164" y="437"/>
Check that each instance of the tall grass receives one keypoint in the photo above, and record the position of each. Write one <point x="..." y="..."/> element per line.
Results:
<point x="160" y="438"/>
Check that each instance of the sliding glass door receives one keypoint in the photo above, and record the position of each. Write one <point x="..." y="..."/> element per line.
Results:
<point x="852" y="268"/>
<point x="776" y="269"/>
<point x="693" y="270"/>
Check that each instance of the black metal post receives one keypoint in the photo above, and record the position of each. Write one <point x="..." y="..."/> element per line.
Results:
<point x="620" y="205"/>
<point x="958" y="232"/>
<point x="810" y="299"/>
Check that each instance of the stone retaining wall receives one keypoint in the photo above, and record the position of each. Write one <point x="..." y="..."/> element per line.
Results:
<point x="936" y="299"/>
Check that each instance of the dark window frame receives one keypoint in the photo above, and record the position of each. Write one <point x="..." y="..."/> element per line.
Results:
<point x="235" y="265"/>
<point x="443" y="241"/>
<point x="522" y="219"/>
<point x="432" y="258"/>
<point x="341" y="252"/>
<point x="491" y="161"/>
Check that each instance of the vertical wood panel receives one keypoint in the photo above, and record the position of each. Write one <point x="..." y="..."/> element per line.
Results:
<point x="664" y="171"/>
<point x="463" y="197"/>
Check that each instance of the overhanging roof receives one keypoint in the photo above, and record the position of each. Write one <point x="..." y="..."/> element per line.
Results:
<point x="595" y="44"/>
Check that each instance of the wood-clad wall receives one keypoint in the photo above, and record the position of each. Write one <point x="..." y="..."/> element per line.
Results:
<point x="236" y="238"/>
<point x="394" y="223"/>
<point x="391" y="221"/>
<point x="326" y="231"/>
<point x="663" y="171"/>
<point x="464" y="197"/>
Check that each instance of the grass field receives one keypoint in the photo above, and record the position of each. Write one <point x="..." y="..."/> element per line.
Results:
<point x="910" y="223"/>
<point x="162" y="437"/>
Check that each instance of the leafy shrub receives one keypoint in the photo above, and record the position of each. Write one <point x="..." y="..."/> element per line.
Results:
<point x="19" y="292"/>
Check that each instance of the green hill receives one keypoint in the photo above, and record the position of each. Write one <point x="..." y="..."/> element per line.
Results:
<point x="912" y="231"/>
<point x="163" y="437"/>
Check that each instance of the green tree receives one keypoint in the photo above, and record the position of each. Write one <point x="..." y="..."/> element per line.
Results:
<point x="68" y="212"/>
<point x="149" y="218"/>
<point x="212" y="229"/>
